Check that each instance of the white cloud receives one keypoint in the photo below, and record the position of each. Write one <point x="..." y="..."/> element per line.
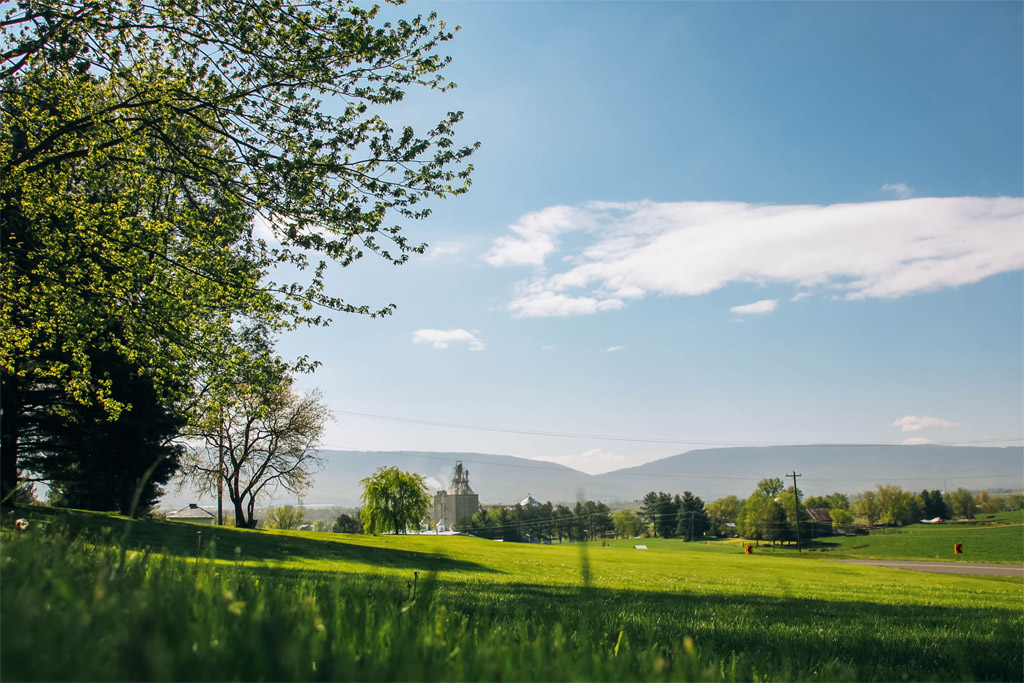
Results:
<point x="612" y="349"/>
<point x="546" y="304"/>
<point x="913" y="423"/>
<point x="535" y="236"/>
<point x="915" y="441"/>
<point x="799" y="296"/>
<point x="899" y="189"/>
<point x="883" y="250"/>
<point x="758" y="307"/>
<point x="440" y="339"/>
<point x="594" y="461"/>
<point x="442" y="249"/>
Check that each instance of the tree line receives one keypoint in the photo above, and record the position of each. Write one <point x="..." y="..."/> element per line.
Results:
<point x="772" y="513"/>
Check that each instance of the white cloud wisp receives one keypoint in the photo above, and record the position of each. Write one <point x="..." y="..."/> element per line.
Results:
<point x="440" y="339"/>
<point x="757" y="308"/>
<point x="913" y="423"/>
<point x="883" y="250"/>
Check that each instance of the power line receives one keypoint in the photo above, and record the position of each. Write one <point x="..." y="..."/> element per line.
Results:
<point x="636" y="439"/>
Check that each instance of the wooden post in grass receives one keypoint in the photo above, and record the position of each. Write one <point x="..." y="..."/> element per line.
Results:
<point x="796" y="503"/>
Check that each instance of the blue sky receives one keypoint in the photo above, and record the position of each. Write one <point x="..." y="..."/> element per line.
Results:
<point x="704" y="223"/>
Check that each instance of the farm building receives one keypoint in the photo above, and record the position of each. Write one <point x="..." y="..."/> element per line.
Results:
<point x="457" y="502"/>
<point x="821" y="521"/>
<point x="195" y="514"/>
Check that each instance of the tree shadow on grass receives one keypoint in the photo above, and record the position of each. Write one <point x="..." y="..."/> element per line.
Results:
<point x="182" y="539"/>
<point x="869" y="640"/>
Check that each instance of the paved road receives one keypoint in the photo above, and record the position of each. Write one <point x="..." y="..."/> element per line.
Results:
<point x="947" y="567"/>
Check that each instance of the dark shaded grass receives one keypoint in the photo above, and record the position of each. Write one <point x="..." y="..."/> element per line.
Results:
<point x="231" y="544"/>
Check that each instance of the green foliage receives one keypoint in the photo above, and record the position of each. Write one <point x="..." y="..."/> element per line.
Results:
<point x="160" y="159"/>
<point x="393" y="501"/>
<point x="722" y="512"/>
<point x="627" y="524"/>
<point x="284" y="517"/>
<point x="962" y="504"/>
<point x="692" y="518"/>
<point x="345" y="524"/>
<point x="99" y="463"/>
<point x="659" y="511"/>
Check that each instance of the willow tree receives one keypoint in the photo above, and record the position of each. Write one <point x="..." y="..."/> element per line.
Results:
<point x="159" y="158"/>
<point x="393" y="501"/>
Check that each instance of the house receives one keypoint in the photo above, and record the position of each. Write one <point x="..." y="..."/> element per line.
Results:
<point x="821" y="521"/>
<point x="195" y="514"/>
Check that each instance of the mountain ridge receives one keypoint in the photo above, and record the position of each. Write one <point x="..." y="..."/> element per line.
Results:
<point x="709" y="473"/>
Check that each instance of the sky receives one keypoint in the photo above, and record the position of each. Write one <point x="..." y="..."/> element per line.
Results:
<point x="695" y="224"/>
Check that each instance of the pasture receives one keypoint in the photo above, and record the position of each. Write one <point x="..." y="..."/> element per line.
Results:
<point x="152" y="600"/>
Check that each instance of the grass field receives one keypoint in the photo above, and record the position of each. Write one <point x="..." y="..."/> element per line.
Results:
<point x="304" y="606"/>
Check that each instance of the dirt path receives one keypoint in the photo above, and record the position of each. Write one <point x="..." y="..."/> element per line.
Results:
<point x="947" y="567"/>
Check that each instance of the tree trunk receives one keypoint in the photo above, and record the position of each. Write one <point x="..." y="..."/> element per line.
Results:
<point x="10" y="412"/>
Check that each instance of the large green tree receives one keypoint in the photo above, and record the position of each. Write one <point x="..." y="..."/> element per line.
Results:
<point x="692" y="520"/>
<point x="393" y="501"/>
<point x="158" y="160"/>
<point x="95" y="462"/>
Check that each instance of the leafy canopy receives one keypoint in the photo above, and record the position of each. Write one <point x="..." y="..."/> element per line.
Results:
<point x="393" y="501"/>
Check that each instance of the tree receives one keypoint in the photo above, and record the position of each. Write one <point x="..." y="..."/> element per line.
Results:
<point x="160" y="158"/>
<point x="763" y="519"/>
<point x="841" y="517"/>
<point x="961" y="502"/>
<point x="659" y="511"/>
<point x="934" y="505"/>
<point x="866" y="505"/>
<point x="258" y="436"/>
<point x="561" y="522"/>
<point x="393" y="501"/>
<point x="692" y="520"/>
<point x="344" y="524"/>
<point x="896" y="506"/>
<point x="94" y="461"/>
<point x="722" y="512"/>
<point x="284" y="517"/>
<point x="627" y="524"/>
<point x="770" y="487"/>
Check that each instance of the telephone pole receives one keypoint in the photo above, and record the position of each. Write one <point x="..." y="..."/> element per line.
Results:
<point x="796" y="503"/>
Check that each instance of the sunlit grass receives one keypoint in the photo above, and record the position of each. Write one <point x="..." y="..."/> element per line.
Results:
<point x="275" y="602"/>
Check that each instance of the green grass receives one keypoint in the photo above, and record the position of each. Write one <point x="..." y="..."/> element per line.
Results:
<point x="303" y="606"/>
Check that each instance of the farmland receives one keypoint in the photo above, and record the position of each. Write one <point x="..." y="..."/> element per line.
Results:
<point x="157" y="600"/>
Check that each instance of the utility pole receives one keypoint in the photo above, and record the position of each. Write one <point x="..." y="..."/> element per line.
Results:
<point x="796" y="503"/>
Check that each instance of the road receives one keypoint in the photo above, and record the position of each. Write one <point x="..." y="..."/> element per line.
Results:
<point x="947" y="567"/>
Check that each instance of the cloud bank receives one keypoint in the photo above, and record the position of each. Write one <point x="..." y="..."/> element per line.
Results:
<point x="440" y="339"/>
<point x="614" y="252"/>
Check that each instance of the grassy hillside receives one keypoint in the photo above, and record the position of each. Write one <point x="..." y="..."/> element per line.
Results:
<point x="289" y="606"/>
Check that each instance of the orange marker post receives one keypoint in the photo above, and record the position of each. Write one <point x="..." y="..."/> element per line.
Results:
<point x="748" y="550"/>
<point x="958" y="548"/>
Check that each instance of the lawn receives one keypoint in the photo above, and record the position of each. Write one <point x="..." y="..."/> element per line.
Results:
<point x="304" y="606"/>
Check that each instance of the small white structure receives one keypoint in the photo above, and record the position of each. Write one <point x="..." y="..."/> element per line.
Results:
<point x="195" y="514"/>
<point x="529" y="501"/>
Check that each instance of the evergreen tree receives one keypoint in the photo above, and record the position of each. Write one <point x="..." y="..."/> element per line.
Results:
<point x="692" y="520"/>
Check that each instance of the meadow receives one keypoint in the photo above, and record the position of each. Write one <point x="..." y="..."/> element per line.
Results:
<point x="120" y="600"/>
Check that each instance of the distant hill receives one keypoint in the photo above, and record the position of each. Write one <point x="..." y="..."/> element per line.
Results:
<point x="716" y="472"/>
<point x="709" y="473"/>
